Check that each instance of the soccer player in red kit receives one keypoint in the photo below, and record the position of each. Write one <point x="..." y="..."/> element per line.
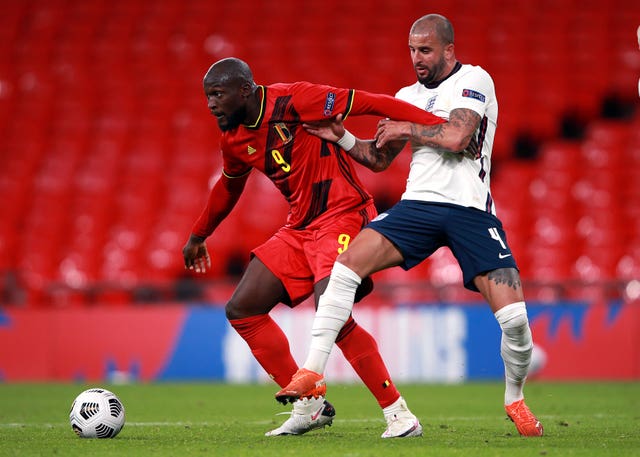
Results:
<point x="263" y="129"/>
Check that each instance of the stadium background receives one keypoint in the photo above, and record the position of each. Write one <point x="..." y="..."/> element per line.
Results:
<point x="107" y="150"/>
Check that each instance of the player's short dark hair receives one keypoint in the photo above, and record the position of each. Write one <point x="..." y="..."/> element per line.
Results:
<point x="229" y="71"/>
<point x="442" y="26"/>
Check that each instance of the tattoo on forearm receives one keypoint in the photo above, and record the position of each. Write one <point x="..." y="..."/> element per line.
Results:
<point x="366" y="153"/>
<point x="508" y="276"/>
<point x="360" y="153"/>
<point x="461" y="119"/>
<point x="425" y="134"/>
<point x="464" y="119"/>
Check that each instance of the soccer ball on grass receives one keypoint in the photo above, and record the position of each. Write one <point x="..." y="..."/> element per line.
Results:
<point x="97" y="413"/>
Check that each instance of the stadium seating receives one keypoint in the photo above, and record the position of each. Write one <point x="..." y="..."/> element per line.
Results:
<point x="107" y="148"/>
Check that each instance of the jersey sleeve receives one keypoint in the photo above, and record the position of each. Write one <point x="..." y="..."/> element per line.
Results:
<point x="224" y="194"/>
<point x="391" y="107"/>
<point x="223" y="197"/>
<point x="232" y="167"/>
<point x="315" y="102"/>
<point x="474" y="91"/>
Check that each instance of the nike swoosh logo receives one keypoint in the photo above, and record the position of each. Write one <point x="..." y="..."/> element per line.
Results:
<point x="317" y="413"/>
<point x="503" y="256"/>
<point x="415" y="426"/>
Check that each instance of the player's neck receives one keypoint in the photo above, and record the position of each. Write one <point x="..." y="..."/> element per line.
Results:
<point x="448" y="71"/>
<point x="254" y="108"/>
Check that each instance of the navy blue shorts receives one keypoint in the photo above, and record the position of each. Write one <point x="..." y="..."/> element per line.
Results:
<point x="475" y="237"/>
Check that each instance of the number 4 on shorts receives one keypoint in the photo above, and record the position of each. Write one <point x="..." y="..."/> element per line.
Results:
<point x="493" y="232"/>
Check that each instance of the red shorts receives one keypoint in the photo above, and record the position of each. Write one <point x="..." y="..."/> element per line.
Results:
<point x="300" y="258"/>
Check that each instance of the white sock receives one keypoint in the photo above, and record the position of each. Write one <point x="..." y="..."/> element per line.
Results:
<point x="515" y="349"/>
<point x="334" y="308"/>
<point x="396" y="407"/>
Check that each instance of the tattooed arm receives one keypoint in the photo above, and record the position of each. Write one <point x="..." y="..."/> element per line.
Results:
<point x="452" y="136"/>
<point x="365" y="152"/>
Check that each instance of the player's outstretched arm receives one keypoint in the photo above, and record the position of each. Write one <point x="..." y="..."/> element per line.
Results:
<point x="364" y="152"/>
<point x="223" y="197"/>
<point x="454" y="135"/>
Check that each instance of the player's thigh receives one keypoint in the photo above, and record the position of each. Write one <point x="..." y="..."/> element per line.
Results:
<point x="325" y="243"/>
<point x="479" y="243"/>
<point x="370" y="252"/>
<point x="258" y="291"/>
<point x="500" y="287"/>
<point x="284" y="255"/>
<point x="404" y="235"/>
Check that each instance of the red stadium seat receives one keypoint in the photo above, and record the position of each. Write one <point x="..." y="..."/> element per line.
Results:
<point x="106" y="142"/>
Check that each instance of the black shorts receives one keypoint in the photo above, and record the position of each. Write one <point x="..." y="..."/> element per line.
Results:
<point x="476" y="238"/>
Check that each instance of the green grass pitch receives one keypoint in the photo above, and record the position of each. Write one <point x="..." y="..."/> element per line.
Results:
<point x="580" y="419"/>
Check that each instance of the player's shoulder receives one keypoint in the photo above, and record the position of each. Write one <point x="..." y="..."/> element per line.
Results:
<point x="410" y="90"/>
<point x="278" y="88"/>
<point x="286" y="87"/>
<point x="300" y="90"/>
<point x="475" y="71"/>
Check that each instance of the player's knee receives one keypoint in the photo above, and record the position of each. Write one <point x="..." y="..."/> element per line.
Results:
<point x="513" y="319"/>
<point x="351" y="258"/>
<point x="515" y="328"/>
<point x="231" y="311"/>
<point x="237" y="309"/>
<point x="345" y="258"/>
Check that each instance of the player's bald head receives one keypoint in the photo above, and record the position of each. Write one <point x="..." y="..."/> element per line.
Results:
<point x="434" y="24"/>
<point x="229" y="72"/>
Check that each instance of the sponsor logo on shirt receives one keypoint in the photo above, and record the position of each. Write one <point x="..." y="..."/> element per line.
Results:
<point x="473" y="94"/>
<point x="329" y="102"/>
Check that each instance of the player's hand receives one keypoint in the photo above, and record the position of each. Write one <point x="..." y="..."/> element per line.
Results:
<point x="330" y="129"/>
<point x="473" y="149"/>
<point x="389" y="131"/>
<point x="196" y="256"/>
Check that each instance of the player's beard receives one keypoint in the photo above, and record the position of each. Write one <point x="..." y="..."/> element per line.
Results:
<point x="233" y="120"/>
<point x="435" y="72"/>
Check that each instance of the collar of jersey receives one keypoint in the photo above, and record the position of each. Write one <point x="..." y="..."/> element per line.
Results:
<point x="433" y="85"/>
<point x="263" y="104"/>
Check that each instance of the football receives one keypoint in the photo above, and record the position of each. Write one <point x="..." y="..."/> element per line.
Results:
<point x="97" y="413"/>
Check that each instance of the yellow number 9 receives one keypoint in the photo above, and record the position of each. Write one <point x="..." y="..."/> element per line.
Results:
<point x="343" y="240"/>
<point x="280" y="160"/>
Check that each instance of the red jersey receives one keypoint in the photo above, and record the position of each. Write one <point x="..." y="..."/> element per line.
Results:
<point x="316" y="177"/>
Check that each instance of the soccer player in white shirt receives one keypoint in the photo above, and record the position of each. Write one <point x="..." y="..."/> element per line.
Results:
<point x="447" y="202"/>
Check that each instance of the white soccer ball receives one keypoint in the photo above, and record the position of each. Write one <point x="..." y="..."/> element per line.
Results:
<point x="97" y="413"/>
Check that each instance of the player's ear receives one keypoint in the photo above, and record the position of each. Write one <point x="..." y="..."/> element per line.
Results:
<point x="449" y="51"/>
<point x="246" y="90"/>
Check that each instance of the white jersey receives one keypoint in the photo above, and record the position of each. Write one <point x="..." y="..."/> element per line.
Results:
<point x="439" y="176"/>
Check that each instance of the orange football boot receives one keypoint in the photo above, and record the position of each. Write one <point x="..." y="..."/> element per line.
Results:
<point x="304" y="383"/>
